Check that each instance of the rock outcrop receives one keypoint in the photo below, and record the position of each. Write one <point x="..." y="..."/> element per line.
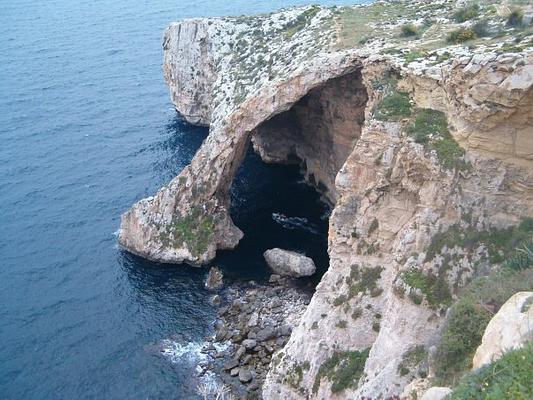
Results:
<point x="215" y="279"/>
<point x="289" y="263"/>
<point x="424" y="149"/>
<point x="509" y="329"/>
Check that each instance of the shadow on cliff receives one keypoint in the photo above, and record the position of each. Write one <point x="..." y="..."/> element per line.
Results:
<point x="274" y="207"/>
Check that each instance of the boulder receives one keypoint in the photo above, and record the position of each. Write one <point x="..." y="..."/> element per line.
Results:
<point x="245" y="375"/>
<point x="249" y="343"/>
<point x="230" y="364"/>
<point x="509" y="329"/>
<point x="289" y="263"/>
<point x="214" y="279"/>
<point x="436" y="393"/>
<point x="216" y="300"/>
<point x="266" y="334"/>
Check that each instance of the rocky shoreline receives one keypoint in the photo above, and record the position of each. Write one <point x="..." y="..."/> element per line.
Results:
<point x="254" y="322"/>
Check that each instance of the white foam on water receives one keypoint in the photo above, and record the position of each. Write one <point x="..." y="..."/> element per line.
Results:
<point x="294" y="223"/>
<point x="175" y="351"/>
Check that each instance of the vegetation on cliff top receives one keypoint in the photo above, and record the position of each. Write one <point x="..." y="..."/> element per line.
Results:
<point x="430" y="25"/>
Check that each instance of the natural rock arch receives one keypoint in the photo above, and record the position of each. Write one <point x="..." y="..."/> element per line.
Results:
<point x="188" y="220"/>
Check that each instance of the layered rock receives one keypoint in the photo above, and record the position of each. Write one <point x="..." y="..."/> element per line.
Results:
<point x="410" y="147"/>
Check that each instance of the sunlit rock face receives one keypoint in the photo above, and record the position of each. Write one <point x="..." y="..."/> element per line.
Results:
<point x="405" y="143"/>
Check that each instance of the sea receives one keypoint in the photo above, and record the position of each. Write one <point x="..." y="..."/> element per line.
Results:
<point x="87" y="129"/>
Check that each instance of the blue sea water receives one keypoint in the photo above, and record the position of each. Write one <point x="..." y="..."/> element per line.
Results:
<point x="87" y="129"/>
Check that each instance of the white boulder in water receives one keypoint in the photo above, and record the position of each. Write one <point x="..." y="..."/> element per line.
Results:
<point x="289" y="263"/>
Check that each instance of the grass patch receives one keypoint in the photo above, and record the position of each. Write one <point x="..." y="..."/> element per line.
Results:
<point x="431" y="128"/>
<point x="434" y="288"/>
<point x="501" y="244"/>
<point x="415" y="55"/>
<point x="478" y="302"/>
<point x="343" y="369"/>
<point x="194" y="230"/>
<point x="428" y="122"/>
<point x="450" y="153"/>
<point x="506" y="378"/>
<point x="363" y="280"/>
<point x="356" y="23"/>
<point x="393" y="107"/>
<point x="522" y="257"/>
<point x="461" y="337"/>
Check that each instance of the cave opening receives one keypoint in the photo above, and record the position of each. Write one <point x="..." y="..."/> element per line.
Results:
<point x="284" y="189"/>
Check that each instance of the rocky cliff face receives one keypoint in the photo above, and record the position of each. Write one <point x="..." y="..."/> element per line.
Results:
<point x="417" y="144"/>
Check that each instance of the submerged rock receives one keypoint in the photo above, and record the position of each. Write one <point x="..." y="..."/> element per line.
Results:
<point x="289" y="263"/>
<point x="214" y="279"/>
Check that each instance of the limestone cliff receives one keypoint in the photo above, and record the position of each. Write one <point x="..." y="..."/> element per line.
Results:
<point x="415" y="138"/>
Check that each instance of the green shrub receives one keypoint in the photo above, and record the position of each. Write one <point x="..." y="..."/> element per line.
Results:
<point x="363" y="280"/>
<point x="414" y="55"/>
<point x="194" y="230"/>
<point x="492" y="291"/>
<point x="467" y="12"/>
<point x="411" y="359"/>
<point x="409" y="30"/>
<point x="461" y="35"/>
<point x="342" y="324"/>
<point x="523" y="256"/>
<point x="357" y="312"/>
<point x="509" y="377"/>
<point x="449" y="152"/>
<point x="339" y="300"/>
<point x="501" y="244"/>
<point x="481" y="28"/>
<point x="434" y="288"/>
<point x="343" y="369"/>
<point x="394" y="107"/>
<point x="478" y="301"/>
<point x="515" y="18"/>
<point x="461" y="337"/>
<point x="428" y="122"/>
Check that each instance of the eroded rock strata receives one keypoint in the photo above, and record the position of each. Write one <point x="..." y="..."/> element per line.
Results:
<point x="422" y="144"/>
